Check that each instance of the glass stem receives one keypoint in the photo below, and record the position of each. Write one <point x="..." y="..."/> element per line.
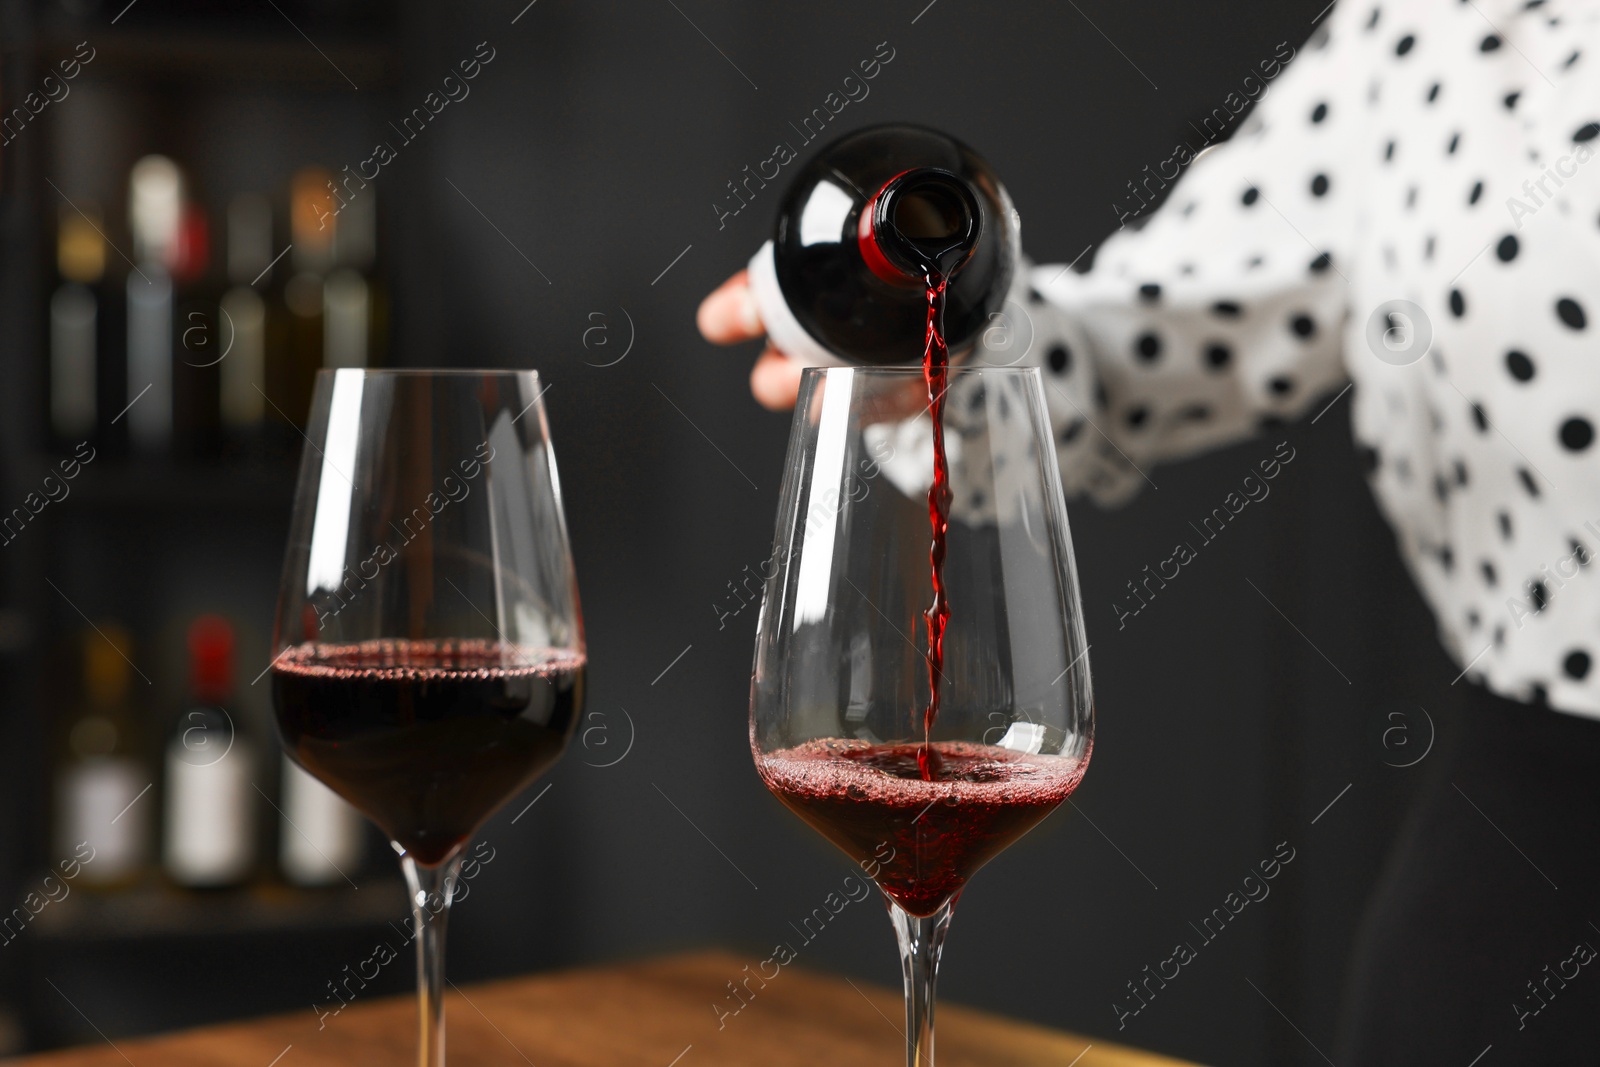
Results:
<point x="921" y="942"/>
<point x="431" y="891"/>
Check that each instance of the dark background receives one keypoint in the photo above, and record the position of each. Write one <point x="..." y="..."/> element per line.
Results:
<point x="594" y="146"/>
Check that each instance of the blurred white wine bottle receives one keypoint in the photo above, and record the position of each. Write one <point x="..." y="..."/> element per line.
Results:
<point x="211" y="800"/>
<point x="103" y="778"/>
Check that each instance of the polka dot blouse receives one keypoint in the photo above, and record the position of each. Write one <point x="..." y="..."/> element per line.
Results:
<point x="1412" y="209"/>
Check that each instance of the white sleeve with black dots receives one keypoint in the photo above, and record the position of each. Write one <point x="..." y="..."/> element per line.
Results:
<point x="1414" y="204"/>
<point x="1224" y="310"/>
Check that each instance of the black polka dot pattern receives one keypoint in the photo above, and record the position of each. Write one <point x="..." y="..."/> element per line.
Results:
<point x="1411" y="158"/>
<point x="1577" y="433"/>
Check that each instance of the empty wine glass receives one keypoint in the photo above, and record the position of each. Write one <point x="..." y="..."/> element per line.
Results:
<point x="844" y="681"/>
<point x="430" y="655"/>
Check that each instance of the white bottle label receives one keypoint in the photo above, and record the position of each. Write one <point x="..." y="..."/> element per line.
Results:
<point x="210" y="824"/>
<point x="319" y="839"/>
<point x="99" y="801"/>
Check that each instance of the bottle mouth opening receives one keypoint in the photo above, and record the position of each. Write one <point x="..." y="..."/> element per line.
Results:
<point x="930" y="212"/>
<point x="927" y="220"/>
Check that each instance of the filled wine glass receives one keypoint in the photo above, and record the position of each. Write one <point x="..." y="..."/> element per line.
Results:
<point x="921" y="693"/>
<point x="430" y="654"/>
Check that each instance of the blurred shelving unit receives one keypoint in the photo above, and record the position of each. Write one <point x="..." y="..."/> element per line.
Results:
<point x="156" y="913"/>
<point x="241" y="95"/>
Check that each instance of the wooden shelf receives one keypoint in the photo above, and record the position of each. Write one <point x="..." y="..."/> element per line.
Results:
<point x="134" y="484"/>
<point x="160" y="912"/>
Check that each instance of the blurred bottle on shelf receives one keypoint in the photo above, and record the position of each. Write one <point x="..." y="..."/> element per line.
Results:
<point x="349" y="296"/>
<point x="245" y="320"/>
<point x="311" y="224"/>
<point x="76" y="325"/>
<point x="202" y="339"/>
<point x="103" y="775"/>
<point x="155" y="211"/>
<point x="320" y="835"/>
<point x="210" y="838"/>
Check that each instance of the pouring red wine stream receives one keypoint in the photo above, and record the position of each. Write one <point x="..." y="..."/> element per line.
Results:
<point x="936" y="376"/>
<point x="920" y="229"/>
<point x="922" y="262"/>
<point x="928" y="220"/>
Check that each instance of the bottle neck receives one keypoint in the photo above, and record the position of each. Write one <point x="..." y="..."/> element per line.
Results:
<point x="920" y="227"/>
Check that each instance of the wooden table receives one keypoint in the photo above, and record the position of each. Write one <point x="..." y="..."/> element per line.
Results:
<point x="656" y="1013"/>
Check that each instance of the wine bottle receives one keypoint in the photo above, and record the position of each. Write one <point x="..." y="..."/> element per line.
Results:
<point x="312" y="222"/>
<point x="155" y="201"/>
<point x="210" y="824"/>
<point x="243" y="312"/>
<point x="861" y="231"/>
<point x="347" y="296"/>
<point x="75" y="326"/>
<point x="201" y="341"/>
<point x="320" y="834"/>
<point x="103" y="776"/>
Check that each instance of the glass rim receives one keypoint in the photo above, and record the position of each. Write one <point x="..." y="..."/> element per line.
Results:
<point x="430" y="372"/>
<point x="909" y="371"/>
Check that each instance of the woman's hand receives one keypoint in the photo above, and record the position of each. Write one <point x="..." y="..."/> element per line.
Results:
<point x="729" y="316"/>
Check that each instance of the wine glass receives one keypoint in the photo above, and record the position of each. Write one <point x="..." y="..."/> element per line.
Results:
<point x="844" y="680"/>
<point x="430" y="655"/>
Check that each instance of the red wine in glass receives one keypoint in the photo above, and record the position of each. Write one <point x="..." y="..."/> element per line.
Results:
<point x="863" y="797"/>
<point x="430" y="654"/>
<point x="921" y="692"/>
<point x="427" y="738"/>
